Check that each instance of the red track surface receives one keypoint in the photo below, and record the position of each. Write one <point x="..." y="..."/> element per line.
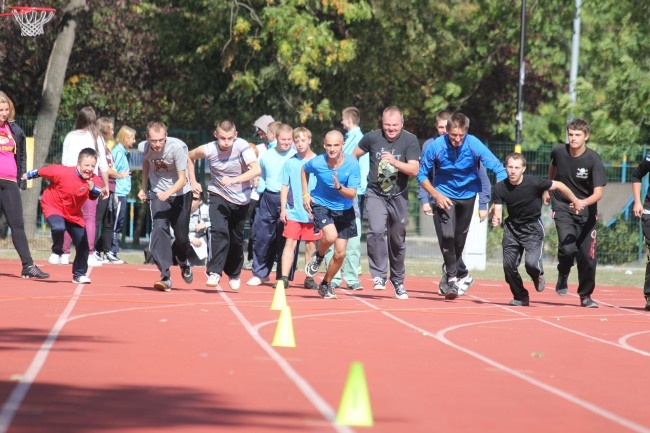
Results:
<point x="116" y="355"/>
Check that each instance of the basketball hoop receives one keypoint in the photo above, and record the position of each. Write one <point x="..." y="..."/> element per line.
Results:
<point x="30" y="18"/>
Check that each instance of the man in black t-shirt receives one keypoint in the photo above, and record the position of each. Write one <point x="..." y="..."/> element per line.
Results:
<point x="523" y="229"/>
<point x="582" y="170"/>
<point x="642" y="210"/>
<point x="394" y="156"/>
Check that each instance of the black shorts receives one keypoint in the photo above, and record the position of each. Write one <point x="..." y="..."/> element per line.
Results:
<point x="344" y="220"/>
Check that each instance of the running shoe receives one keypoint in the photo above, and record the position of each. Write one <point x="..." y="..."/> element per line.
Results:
<point x="32" y="271"/>
<point x="311" y="268"/>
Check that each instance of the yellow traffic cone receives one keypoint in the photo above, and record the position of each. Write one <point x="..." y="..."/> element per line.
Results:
<point x="284" y="331"/>
<point x="355" y="408"/>
<point x="279" y="298"/>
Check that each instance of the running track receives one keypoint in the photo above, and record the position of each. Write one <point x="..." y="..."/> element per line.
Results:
<point x="117" y="356"/>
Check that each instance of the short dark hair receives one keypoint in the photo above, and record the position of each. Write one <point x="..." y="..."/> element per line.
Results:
<point x="87" y="152"/>
<point x="516" y="155"/>
<point x="353" y="113"/>
<point x="578" y="125"/>
<point x="458" y="120"/>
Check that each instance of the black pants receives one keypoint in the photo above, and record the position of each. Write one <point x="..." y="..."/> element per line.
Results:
<point x="12" y="207"/>
<point x="104" y="223"/>
<point x="645" y="219"/>
<point x="452" y="226"/>
<point x="227" y="222"/>
<point x="517" y="238"/>
<point x="577" y="242"/>
<point x="173" y="214"/>
<point x="268" y="240"/>
<point x="59" y="226"/>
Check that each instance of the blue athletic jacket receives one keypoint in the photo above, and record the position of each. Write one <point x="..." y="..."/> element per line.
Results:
<point x="456" y="168"/>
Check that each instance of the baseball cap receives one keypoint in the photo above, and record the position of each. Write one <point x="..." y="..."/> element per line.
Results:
<point x="263" y="122"/>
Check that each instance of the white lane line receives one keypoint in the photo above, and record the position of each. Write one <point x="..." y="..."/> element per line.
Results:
<point x="441" y="336"/>
<point x="308" y="391"/>
<point x="623" y="339"/>
<point x="12" y="405"/>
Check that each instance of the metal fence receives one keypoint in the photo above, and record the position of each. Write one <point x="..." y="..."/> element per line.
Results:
<point x="620" y="237"/>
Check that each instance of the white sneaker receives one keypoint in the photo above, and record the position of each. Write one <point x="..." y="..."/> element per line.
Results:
<point x="65" y="259"/>
<point x="213" y="280"/>
<point x="94" y="260"/>
<point x="256" y="281"/>
<point x="234" y="283"/>
<point x="464" y="284"/>
<point x="54" y="259"/>
<point x="81" y="280"/>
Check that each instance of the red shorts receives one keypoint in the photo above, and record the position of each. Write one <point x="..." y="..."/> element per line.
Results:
<point x="300" y="231"/>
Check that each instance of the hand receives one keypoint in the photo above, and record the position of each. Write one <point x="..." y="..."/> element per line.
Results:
<point x="638" y="210"/>
<point x="227" y="181"/>
<point x="142" y="195"/>
<point x="496" y="221"/>
<point x="426" y="208"/>
<point x="200" y="226"/>
<point x="388" y="157"/>
<point x="196" y="242"/>
<point x="196" y="188"/>
<point x="306" y="203"/>
<point x="105" y="192"/>
<point x="577" y="205"/>
<point x="163" y="195"/>
<point x="444" y="202"/>
<point x="546" y="197"/>
<point x="283" y="216"/>
<point x="124" y="174"/>
<point x="335" y="178"/>
<point x="482" y="215"/>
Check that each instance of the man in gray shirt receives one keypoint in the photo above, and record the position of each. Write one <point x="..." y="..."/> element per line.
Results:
<point x="170" y="195"/>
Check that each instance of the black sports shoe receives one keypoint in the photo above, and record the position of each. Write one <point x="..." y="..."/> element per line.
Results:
<point x="32" y="271"/>
<point x="588" y="302"/>
<point x="326" y="291"/>
<point x="187" y="274"/>
<point x="444" y="282"/>
<point x="540" y="283"/>
<point x="647" y="304"/>
<point x="311" y="268"/>
<point x="561" y="288"/>
<point x="519" y="303"/>
<point x="285" y="281"/>
<point x="164" y="285"/>
<point x="452" y="292"/>
<point x="310" y="284"/>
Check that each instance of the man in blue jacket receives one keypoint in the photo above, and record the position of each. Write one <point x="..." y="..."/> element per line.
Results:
<point x="455" y="157"/>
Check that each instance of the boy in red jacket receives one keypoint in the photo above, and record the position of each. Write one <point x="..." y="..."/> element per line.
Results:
<point x="69" y="188"/>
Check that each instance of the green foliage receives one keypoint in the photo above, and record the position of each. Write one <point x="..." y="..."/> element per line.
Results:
<point x="617" y="243"/>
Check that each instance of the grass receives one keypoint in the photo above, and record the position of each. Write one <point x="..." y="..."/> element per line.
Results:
<point x="632" y="275"/>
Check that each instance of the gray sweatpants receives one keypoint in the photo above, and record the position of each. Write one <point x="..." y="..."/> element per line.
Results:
<point x="387" y="218"/>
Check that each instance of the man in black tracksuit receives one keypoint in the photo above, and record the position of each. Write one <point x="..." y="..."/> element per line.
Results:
<point x="523" y="229"/>
<point x="582" y="170"/>
<point x="642" y="210"/>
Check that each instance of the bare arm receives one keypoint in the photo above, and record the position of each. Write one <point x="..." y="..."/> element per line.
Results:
<point x="578" y="205"/>
<point x="552" y="172"/>
<point x="142" y="195"/>
<point x="638" y="204"/>
<point x="358" y="153"/>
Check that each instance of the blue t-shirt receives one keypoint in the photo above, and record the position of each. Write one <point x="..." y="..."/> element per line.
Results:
<point x="291" y="176"/>
<point x="324" y="193"/>
<point x="271" y="164"/>
<point x="352" y="138"/>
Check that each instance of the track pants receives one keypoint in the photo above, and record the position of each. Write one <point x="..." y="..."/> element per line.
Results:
<point x="518" y="238"/>
<point x="227" y="222"/>
<point x="387" y="217"/>
<point x="172" y="214"/>
<point x="577" y="242"/>
<point x="452" y="226"/>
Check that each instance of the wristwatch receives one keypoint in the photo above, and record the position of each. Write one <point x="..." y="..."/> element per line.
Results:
<point x="340" y="187"/>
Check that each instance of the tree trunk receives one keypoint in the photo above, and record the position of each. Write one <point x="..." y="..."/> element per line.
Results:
<point x="50" y="101"/>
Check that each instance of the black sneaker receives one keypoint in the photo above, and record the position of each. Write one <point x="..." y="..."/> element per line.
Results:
<point x="186" y="272"/>
<point x="561" y="288"/>
<point x="112" y="258"/>
<point x="400" y="290"/>
<point x="310" y="284"/>
<point x="588" y="303"/>
<point x="285" y="281"/>
<point x="311" y="268"/>
<point x="32" y="271"/>
<point x="452" y="293"/>
<point x="540" y="283"/>
<point x="519" y="303"/>
<point x="326" y="291"/>
<point x="444" y="282"/>
<point x="647" y="304"/>
<point x="164" y="285"/>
